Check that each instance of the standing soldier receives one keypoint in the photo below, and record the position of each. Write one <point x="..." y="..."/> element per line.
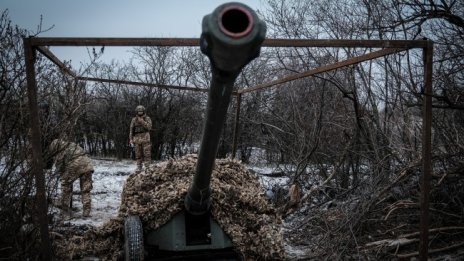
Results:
<point x="72" y="163"/>
<point x="139" y="135"/>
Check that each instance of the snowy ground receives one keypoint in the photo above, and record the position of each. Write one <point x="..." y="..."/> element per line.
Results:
<point x="108" y="182"/>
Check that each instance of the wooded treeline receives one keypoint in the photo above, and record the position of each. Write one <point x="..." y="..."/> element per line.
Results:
<point x="352" y="131"/>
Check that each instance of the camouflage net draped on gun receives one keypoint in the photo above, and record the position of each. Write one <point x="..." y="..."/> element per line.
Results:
<point x="238" y="205"/>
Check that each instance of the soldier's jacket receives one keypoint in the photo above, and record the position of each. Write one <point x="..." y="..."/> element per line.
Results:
<point x="70" y="159"/>
<point x="140" y="129"/>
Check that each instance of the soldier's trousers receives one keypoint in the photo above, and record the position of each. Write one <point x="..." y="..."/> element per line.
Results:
<point x="143" y="153"/>
<point x="85" y="181"/>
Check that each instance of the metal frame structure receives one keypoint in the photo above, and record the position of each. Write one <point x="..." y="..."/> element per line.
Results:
<point x="34" y="44"/>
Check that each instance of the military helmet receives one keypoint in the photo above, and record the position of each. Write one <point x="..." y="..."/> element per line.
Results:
<point x="139" y="108"/>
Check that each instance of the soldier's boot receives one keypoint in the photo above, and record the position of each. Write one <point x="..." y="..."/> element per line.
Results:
<point x="147" y="154"/>
<point x="139" y="166"/>
<point x="86" y="212"/>
<point x="66" y="212"/>
<point x="86" y="205"/>
<point x="86" y="188"/>
<point x="66" y="196"/>
<point x="146" y="164"/>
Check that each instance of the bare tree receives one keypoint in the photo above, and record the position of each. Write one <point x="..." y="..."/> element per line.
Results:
<point x="175" y="113"/>
<point x="378" y="146"/>
<point x="17" y="209"/>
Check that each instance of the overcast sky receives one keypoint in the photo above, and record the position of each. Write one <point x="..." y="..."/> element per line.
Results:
<point x="112" y="18"/>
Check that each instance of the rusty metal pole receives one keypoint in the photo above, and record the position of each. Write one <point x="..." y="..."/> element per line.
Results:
<point x="237" y="120"/>
<point x="426" y="150"/>
<point x="37" y="164"/>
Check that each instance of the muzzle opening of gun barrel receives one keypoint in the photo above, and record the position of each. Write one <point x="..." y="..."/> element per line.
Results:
<point x="235" y="21"/>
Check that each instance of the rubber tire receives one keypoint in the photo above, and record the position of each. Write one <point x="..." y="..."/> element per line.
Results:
<point x="133" y="239"/>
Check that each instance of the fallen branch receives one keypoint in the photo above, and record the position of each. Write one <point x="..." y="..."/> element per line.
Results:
<point x="442" y="178"/>
<point x="409" y="204"/>
<point x="403" y="173"/>
<point x="56" y="234"/>
<point x="392" y="242"/>
<point x="433" y="230"/>
<point x="458" y="170"/>
<point x="407" y="239"/>
<point x="431" y="251"/>
<point x="398" y="205"/>
<point x="445" y="213"/>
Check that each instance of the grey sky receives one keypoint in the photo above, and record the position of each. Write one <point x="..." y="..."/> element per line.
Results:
<point x="112" y="18"/>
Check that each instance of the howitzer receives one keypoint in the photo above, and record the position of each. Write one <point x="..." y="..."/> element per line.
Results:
<point x="231" y="38"/>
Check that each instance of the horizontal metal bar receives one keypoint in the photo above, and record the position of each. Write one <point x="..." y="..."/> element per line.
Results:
<point x="71" y="41"/>
<point x="161" y="86"/>
<point x="344" y="43"/>
<point x="76" y="41"/>
<point x="324" y="68"/>
<point x="45" y="51"/>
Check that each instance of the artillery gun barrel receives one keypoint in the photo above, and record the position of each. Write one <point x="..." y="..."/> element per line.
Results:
<point x="231" y="37"/>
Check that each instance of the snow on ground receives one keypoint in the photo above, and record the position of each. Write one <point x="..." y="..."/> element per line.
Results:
<point x="294" y="252"/>
<point x="268" y="181"/>
<point x="108" y="182"/>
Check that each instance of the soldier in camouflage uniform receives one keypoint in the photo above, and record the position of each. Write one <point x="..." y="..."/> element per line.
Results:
<point x="72" y="163"/>
<point x="139" y="136"/>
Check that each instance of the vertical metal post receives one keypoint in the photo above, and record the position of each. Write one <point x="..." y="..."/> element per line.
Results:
<point x="426" y="150"/>
<point x="237" y="120"/>
<point x="37" y="163"/>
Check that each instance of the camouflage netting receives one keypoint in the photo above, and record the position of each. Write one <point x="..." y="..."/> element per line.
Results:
<point x="158" y="194"/>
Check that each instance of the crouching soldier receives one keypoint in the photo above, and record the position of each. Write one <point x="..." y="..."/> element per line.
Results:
<point x="72" y="163"/>
<point x="139" y="135"/>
